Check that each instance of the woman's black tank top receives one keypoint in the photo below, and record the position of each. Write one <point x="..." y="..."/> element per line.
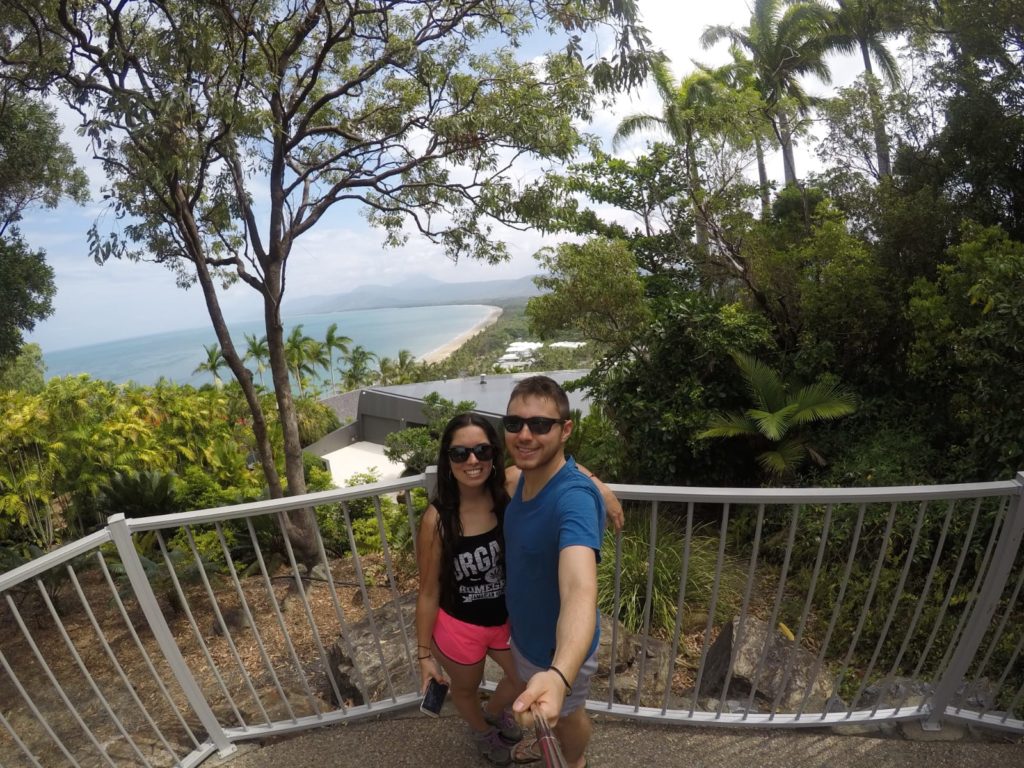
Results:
<point x="479" y="570"/>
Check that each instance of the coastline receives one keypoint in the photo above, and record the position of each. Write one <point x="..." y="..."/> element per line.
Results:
<point x="440" y="353"/>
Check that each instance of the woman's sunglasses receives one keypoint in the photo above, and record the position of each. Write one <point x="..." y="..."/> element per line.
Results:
<point x="539" y="425"/>
<point x="460" y="453"/>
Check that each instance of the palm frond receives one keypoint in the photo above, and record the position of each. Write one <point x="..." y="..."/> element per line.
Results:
<point x="822" y="401"/>
<point x="729" y="425"/>
<point x="783" y="458"/>
<point x="633" y="124"/>
<point x="763" y="382"/>
<point x="773" y="424"/>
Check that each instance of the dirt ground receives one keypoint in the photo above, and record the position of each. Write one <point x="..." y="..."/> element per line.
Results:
<point x="92" y="713"/>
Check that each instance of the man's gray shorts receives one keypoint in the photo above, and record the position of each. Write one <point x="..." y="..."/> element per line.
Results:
<point x="580" y="686"/>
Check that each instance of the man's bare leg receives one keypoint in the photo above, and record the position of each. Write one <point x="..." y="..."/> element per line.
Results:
<point x="573" y="732"/>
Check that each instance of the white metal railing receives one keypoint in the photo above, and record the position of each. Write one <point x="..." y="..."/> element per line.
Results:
<point x="171" y="638"/>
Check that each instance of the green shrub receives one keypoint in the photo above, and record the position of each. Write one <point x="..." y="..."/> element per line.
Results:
<point x="315" y="420"/>
<point x="396" y="527"/>
<point x="668" y="563"/>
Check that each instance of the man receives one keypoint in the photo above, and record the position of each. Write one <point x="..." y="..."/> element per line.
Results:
<point x="553" y="528"/>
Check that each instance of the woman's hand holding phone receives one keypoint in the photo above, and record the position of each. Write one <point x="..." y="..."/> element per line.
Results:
<point x="430" y="670"/>
<point x="433" y="699"/>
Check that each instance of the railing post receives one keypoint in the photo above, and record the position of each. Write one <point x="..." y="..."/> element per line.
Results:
<point x="985" y="606"/>
<point x="122" y="538"/>
<point x="430" y="480"/>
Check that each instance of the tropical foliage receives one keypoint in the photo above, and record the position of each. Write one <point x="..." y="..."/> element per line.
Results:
<point x="778" y="412"/>
<point x="417" y="447"/>
<point x="79" y="450"/>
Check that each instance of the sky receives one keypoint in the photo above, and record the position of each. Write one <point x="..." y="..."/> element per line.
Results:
<point x="124" y="300"/>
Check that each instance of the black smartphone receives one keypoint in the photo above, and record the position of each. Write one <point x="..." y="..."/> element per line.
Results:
<point x="433" y="699"/>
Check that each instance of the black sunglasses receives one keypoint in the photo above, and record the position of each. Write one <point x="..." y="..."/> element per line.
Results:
<point x="539" y="425"/>
<point x="460" y="453"/>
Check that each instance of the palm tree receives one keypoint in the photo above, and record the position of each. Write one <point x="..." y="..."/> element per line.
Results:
<point x="317" y="355"/>
<point x="738" y="77"/>
<point x="257" y="349"/>
<point x="296" y="352"/>
<point x="332" y="341"/>
<point x="862" y="25"/>
<point x="386" y="371"/>
<point x="358" y="372"/>
<point x="406" y="366"/>
<point x="400" y="370"/>
<point x="682" y="107"/>
<point x="773" y="422"/>
<point x="786" y="40"/>
<point x="213" y="363"/>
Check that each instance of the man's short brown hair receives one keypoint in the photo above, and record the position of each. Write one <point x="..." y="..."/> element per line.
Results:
<point x="542" y="386"/>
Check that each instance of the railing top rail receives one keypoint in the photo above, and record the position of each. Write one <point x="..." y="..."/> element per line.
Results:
<point x="52" y="559"/>
<point x="815" y="495"/>
<point x="267" y="506"/>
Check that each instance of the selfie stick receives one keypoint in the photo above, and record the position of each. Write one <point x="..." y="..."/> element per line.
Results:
<point x="546" y="739"/>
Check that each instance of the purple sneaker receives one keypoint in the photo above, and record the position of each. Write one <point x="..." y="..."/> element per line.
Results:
<point x="492" y="746"/>
<point x="506" y="724"/>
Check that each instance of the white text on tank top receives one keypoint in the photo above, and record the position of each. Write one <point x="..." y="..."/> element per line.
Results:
<point x="483" y="566"/>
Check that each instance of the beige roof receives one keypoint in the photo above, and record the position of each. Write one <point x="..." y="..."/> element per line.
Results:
<point x="361" y="457"/>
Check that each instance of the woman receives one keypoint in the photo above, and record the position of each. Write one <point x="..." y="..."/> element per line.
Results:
<point x="460" y="612"/>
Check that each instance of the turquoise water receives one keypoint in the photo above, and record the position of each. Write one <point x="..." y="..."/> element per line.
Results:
<point x="175" y="354"/>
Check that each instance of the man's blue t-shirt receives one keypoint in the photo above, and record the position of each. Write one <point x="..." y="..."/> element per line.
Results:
<point x="567" y="512"/>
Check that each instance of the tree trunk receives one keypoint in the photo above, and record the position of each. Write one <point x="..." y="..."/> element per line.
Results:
<point x="299" y="525"/>
<point x="696" y="196"/>
<point x="877" y="118"/>
<point x="786" y="141"/>
<point x="762" y="180"/>
<point x="242" y="374"/>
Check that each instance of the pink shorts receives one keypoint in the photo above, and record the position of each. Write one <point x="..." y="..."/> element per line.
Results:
<point x="466" y="643"/>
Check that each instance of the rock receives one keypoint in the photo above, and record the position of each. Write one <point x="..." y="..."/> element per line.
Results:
<point x="361" y="671"/>
<point x="783" y="675"/>
<point x="655" y="671"/>
<point x="235" y="619"/>
<point x="319" y="572"/>
<point x="893" y="692"/>
<point x="624" y="655"/>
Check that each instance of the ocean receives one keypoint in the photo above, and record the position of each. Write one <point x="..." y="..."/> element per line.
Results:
<point x="174" y="355"/>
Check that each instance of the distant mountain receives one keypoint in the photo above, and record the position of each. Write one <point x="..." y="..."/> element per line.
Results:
<point x="418" y="290"/>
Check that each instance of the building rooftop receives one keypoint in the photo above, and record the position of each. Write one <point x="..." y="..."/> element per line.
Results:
<point x="490" y="392"/>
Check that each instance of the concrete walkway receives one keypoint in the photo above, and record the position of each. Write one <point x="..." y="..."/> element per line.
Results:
<point x="412" y="740"/>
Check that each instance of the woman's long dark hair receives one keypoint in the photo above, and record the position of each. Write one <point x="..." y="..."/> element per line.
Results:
<point x="446" y="499"/>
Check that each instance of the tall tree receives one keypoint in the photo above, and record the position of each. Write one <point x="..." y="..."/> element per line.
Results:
<point x="36" y="168"/>
<point x="358" y="372"/>
<point x="257" y="349"/>
<point x="26" y="293"/>
<point x="682" y="106"/>
<point x="333" y="341"/>
<point x="212" y="364"/>
<point x="864" y="25"/>
<point x="209" y="116"/>
<point x="738" y="77"/>
<point x="786" y="40"/>
<point x="594" y="289"/>
<point x="298" y="353"/>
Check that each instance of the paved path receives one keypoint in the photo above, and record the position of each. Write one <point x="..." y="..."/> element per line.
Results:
<point x="411" y="740"/>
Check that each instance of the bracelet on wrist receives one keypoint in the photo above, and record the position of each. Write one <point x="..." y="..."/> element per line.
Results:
<point x="421" y="658"/>
<point x="557" y="671"/>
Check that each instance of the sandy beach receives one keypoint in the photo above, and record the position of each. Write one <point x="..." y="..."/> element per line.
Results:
<point x="439" y="354"/>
